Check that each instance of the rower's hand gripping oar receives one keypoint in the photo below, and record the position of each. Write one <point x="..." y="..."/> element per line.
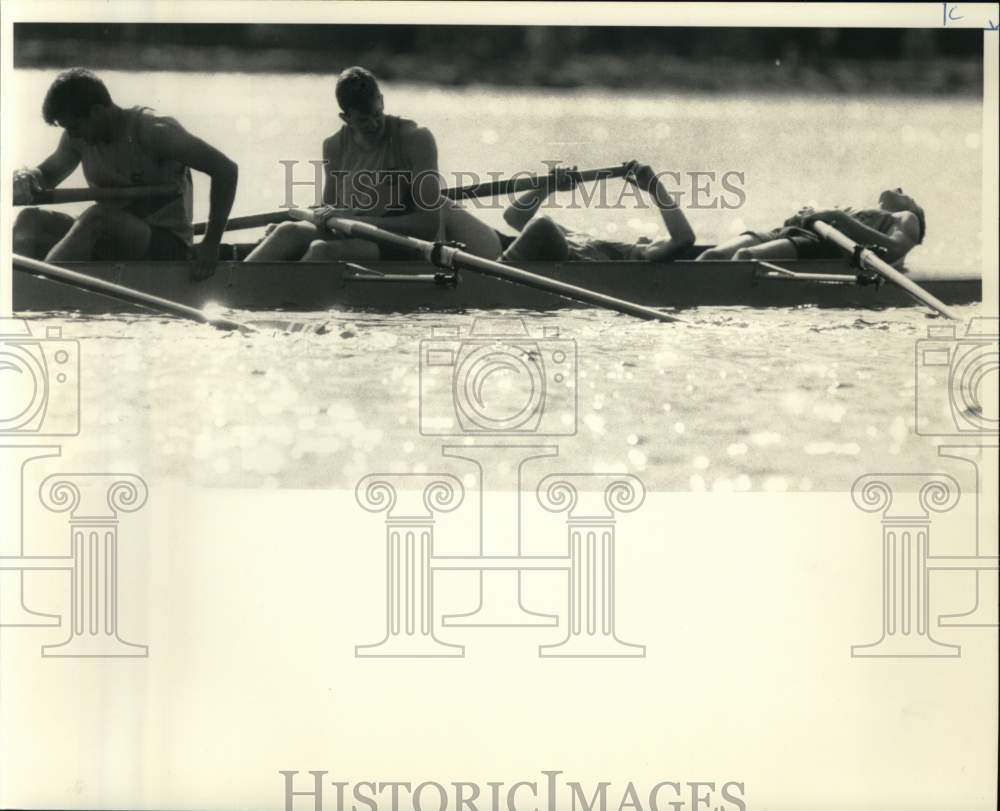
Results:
<point x="448" y="256"/>
<point x="870" y="261"/>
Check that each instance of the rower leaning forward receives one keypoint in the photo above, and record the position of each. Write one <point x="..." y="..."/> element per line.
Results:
<point x="380" y="169"/>
<point x="117" y="148"/>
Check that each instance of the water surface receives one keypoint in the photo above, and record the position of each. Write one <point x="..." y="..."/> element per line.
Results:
<point x="738" y="400"/>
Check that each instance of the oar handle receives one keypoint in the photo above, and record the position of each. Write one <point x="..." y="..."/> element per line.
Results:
<point x="349" y="227"/>
<point x="513" y="185"/>
<point x="883" y="268"/>
<point x="52" y="197"/>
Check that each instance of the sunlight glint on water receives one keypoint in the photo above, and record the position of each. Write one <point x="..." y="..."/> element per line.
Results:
<point x="743" y="400"/>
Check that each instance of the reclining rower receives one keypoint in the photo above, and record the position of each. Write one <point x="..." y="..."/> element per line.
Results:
<point x="541" y="238"/>
<point x="897" y="225"/>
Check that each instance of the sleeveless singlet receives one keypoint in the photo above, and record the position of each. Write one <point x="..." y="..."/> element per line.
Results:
<point x="125" y="162"/>
<point x="363" y="178"/>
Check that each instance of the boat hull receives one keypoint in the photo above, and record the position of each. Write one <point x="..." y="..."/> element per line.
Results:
<point x="303" y="286"/>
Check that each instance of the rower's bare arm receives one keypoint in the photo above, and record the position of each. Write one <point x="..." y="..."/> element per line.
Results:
<point x="329" y="189"/>
<point x="897" y="243"/>
<point x="680" y="235"/>
<point x="49" y="173"/>
<point x="664" y="249"/>
<point x="330" y="169"/>
<point x="424" y="220"/>
<point x="169" y="139"/>
<point x="524" y="207"/>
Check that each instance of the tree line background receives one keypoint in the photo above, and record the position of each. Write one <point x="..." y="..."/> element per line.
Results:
<point x="837" y="60"/>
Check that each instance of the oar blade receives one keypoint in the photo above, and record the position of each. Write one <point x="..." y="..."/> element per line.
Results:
<point x="120" y="292"/>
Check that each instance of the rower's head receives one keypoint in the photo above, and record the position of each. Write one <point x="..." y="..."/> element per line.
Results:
<point x="360" y="100"/>
<point x="79" y="102"/>
<point x="896" y="200"/>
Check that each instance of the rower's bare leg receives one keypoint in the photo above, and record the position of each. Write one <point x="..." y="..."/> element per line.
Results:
<point x="479" y="239"/>
<point x="728" y="249"/>
<point x="541" y="239"/>
<point x="120" y="234"/>
<point x="287" y="242"/>
<point x="775" y="249"/>
<point x="36" y="231"/>
<point x="338" y="250"/>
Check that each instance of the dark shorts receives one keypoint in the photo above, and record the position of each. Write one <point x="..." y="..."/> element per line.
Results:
<point x="807" y="244"/>
<point x="166" y="246"/>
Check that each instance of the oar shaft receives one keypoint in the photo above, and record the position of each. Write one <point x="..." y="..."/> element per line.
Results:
<point x="117" y="291"/>
<point x="249" y="221"/>
<point x="490" y="188"/>
<point x="515" y="185"/>
<point x="58" y="196"/>
<point x="496" y="269"/>
<point x="877" y="265"/>
<point x="570" y="291"/>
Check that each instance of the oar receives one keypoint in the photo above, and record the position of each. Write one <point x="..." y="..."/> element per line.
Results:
<point x="515" y="185"/>
<point x="870" y="261"/>
<point x="490" y="188"/>
<point x="52" y="197"/>
<point x="249" y="221"/>
<point x="443" y="255"/>
<point x="122" y="293"/>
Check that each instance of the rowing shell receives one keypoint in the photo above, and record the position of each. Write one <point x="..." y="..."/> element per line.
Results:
<point x="413" y="285"/>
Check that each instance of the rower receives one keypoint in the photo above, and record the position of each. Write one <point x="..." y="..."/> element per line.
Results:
<point x="896" y="226"/>
<point x="380" y="169"/>
<point x="541" y="238"/>
<point x="117" y="148"/>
